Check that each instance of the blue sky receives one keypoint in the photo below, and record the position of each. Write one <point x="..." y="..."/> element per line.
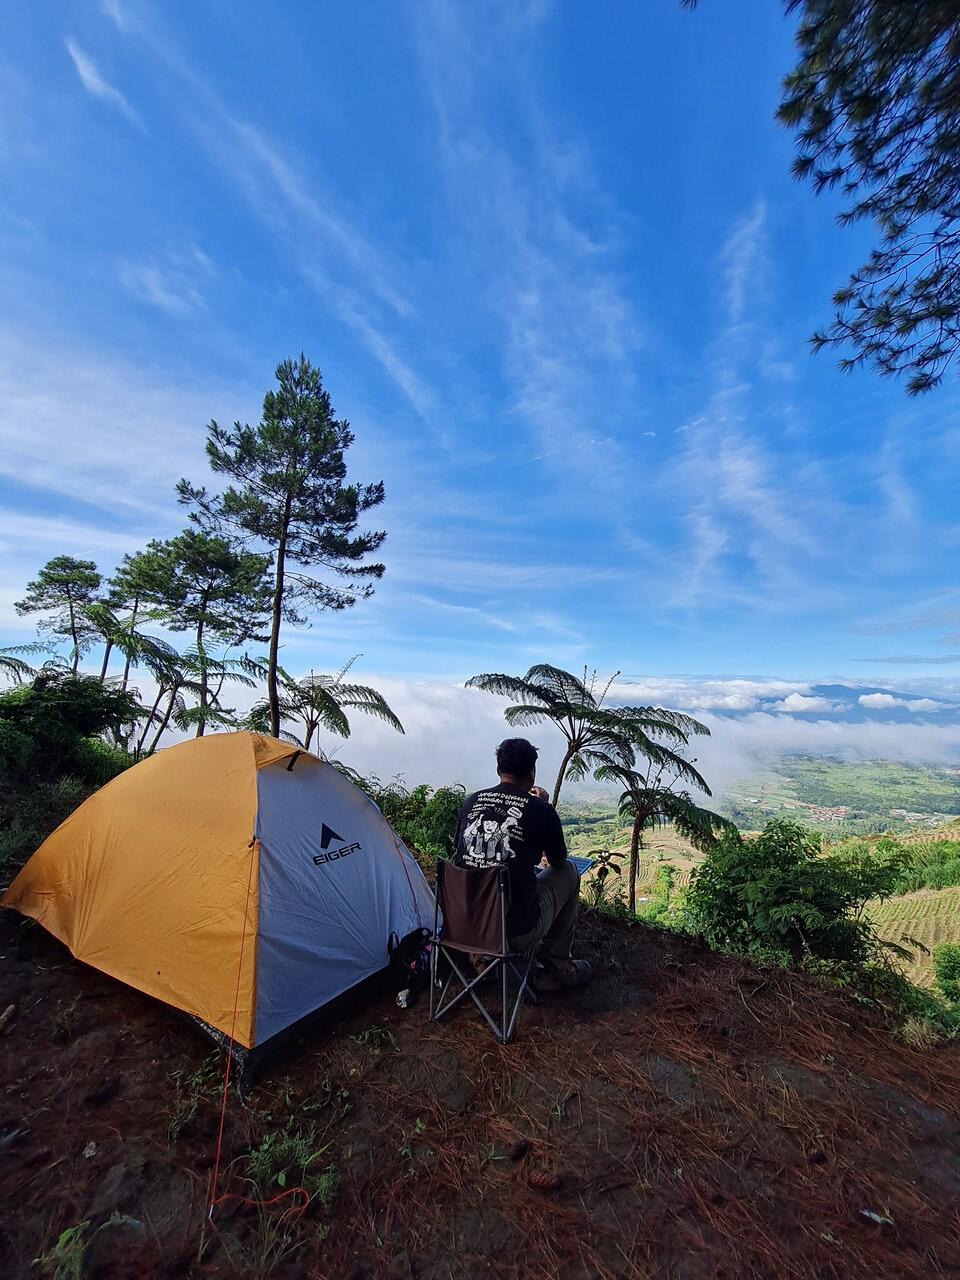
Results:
<point x="556" y="273"/>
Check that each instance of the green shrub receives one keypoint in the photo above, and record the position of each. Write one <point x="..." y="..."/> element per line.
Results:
<point x="45" y="727"/>
<point x="933" y="863"/>
<point x="95" y="762"/>
<point x="923" y="1016"/>
<point x="775" y="896"/>
<point x="16" y="748"/>
<point x="424" y="818"/>
<point x="946" y="969"/>
<point x="51" y="757"/>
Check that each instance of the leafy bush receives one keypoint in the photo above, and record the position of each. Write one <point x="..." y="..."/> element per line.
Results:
<point x="926" y="864"/>
<point x="16" y="747"/>
<point x="45" y="726"/>
<point x="425" y="819"/>
<point x="95" y="762"/>
<point x="946" y="969"/>
<point x="775" y="896"/>
<point x="51" y="756"/>
<point x="924" y="1017"/>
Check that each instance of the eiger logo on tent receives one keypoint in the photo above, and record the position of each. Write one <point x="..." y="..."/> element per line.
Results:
<point x="327" y="838"/>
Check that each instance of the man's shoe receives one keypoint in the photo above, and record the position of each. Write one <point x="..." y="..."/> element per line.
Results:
<point x="568" y="973"/>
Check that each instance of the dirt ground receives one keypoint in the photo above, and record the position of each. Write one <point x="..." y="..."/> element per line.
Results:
<point x="691" y="1117"/>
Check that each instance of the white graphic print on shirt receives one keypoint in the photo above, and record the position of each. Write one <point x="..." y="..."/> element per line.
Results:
<point x="491" y="825"/>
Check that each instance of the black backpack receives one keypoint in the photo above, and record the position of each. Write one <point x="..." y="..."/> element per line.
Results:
<point x="410" y="959"/>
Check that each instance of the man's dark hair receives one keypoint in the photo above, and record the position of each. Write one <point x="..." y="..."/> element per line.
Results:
<point x="517" y="757"/>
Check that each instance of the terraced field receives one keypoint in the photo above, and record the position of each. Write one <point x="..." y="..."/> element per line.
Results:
<point x="929" y="915"/>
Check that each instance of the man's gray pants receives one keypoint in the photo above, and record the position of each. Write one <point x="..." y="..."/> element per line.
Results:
<point x="558" y="896"/>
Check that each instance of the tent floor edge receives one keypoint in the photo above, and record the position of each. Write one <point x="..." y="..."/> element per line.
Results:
<point x="250" y="1064"/>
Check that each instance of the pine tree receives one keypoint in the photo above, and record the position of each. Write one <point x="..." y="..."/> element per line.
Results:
<point x="62" y="590"/>
<point x="202" y="583"/>
<point x="290" y="495"/>
<point x="875" y="102"/>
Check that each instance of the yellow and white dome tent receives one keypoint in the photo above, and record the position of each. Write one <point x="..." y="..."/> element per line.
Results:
<point x="233" y="876"/>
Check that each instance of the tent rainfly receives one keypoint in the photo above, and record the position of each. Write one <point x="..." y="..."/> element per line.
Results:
<point x="233" y="876"/>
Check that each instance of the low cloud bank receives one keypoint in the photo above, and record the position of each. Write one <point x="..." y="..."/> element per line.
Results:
<point x="738" y="747"/>
<point x="451" y="733"/>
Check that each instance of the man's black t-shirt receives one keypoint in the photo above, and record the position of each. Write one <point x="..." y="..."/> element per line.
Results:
<point x="507" y="824"/>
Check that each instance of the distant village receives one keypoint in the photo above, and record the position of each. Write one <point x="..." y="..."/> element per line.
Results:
<point x="843" y="812"/>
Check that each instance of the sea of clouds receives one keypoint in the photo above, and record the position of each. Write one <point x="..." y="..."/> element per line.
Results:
<point x="451" y="731"/>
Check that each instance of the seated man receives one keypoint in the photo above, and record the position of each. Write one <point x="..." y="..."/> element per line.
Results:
<point x="507" y="824"/>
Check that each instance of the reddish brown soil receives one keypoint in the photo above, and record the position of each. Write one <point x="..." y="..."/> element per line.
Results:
<point x="705" y="1122"/>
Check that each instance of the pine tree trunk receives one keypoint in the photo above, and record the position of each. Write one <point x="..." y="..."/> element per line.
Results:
<point x="201" y="653"/>
<point x="133" y="629"/>
<point x="568" y="756"/>
<point x="108" y="649"/>
<point x="74" y="637"/>
<point x="273" y="695"/>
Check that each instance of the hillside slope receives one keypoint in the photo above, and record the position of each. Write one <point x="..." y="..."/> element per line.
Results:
<point x="705" y="1120"/>
<point x="926" y="917"/>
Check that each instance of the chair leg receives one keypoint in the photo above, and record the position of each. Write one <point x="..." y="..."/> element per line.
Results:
<point x="468" y="990"/>
<point x="504" y="1028"/>
<point x="503" y="1003"/>
<point x="522" y="989"/>
<point x="433" y="976"/>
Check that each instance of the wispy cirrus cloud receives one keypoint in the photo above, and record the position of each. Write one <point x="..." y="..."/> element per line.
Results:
<point x="95" y="84"/>
<point x="744" y="263"/>
<point x="117" y="14"/>
<point x="93" y="429"/>
<point x="174" y="281"/>
<point x="540" y="242"/>
<point x="352" y="275"/>
<point x="913" y="659"/>
<point x="758" y="517"/>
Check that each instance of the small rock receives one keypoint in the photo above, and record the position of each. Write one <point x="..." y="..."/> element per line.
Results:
<point x="881" y="1219"/>
<point x="89" y="1151"/>
<point x="519" y="1149"/>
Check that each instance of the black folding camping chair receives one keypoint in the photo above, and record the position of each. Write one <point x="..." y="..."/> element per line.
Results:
<point x="474" y="904"/>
